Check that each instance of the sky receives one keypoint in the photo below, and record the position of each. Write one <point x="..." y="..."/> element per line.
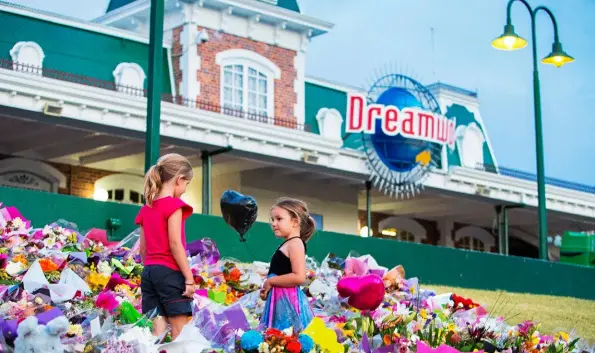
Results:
<point x="449" y="41"/>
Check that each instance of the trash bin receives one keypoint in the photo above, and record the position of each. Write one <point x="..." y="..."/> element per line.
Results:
<point x="578" y="248"/>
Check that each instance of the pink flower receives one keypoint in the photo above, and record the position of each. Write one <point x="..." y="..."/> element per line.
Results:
<point x="107" y="300"/>
<point x="116" y="280"/>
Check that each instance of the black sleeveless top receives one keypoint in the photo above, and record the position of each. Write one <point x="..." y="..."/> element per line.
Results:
<point x="280" y="263"/>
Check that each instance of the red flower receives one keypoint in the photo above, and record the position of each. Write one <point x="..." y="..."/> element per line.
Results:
<point x="274" y="332"/>
<point x="465" y="302"/>
<point x="294" y="347"/>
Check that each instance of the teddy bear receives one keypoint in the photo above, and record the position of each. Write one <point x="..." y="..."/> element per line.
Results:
<point x="36" y="338"/>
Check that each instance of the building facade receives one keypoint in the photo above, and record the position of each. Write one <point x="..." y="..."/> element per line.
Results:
<point x="73" y="106"/>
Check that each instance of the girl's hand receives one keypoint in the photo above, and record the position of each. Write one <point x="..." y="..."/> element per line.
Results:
<point x="189" y="291"/>
<point x="266" y="287"/>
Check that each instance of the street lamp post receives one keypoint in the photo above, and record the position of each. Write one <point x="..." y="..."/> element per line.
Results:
<point x="511" y="41"/>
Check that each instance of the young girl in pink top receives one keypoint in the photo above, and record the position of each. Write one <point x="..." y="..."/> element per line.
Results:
<point x="167" y="283"/>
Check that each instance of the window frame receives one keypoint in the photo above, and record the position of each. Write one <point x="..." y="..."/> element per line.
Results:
<point x="249" y="59"/>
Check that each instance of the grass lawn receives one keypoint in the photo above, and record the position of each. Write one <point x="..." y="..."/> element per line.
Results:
<point x="552" y="313"/>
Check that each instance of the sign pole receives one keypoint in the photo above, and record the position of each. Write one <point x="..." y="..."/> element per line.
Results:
<point x="152" y="136"/>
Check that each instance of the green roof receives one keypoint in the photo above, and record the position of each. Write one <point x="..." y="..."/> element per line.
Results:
<point x="74" y="50"/>
<point x="291" y="5"/>
<point x="116" y="4"/>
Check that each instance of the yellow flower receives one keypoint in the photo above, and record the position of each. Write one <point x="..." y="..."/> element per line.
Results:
<point x="564" y="336"/>
<point x="97" y="281"/>
<point x="412" y="290"/>
<point x="451" y="327"/>
<point x="535" y="341"/>
<point x="75" y="330"/>
<point x="423" y="313"/>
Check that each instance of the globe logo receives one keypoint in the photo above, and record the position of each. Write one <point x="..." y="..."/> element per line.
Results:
<point x="397" y="152"/>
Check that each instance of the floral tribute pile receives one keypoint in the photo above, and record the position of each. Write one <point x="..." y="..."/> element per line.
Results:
<point x="57" y="271"/>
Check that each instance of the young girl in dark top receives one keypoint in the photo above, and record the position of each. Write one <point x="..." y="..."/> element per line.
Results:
<point x="286" y="304"/>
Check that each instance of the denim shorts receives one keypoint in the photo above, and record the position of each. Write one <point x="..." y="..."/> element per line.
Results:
<point x="162" y="289"/>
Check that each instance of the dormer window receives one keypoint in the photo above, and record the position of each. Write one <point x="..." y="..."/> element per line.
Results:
<point x="248" y="82"/>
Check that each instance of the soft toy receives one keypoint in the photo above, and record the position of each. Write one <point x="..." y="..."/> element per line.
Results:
<point x="35" y="338"/>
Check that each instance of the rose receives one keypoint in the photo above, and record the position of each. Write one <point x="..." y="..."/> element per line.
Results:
<point x="293" y="347"/>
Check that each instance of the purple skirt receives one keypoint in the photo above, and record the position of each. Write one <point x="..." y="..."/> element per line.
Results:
<point x="285" y="308"/>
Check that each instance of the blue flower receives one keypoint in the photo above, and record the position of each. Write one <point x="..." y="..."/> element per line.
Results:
<point x="306" y="342"/>
<point x="251" y="340"/>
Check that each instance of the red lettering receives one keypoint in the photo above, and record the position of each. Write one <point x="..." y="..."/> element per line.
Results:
<point x="391" y="119"/>
<point x="442" y="130"/>
<point x="408" y="128"/>
<point x="452" y="125"/>
<point x="355" y="111"/>
<point x="374" y="111"/>
<point x="426" y="125"/>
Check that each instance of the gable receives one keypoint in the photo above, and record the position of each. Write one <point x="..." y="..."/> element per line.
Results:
<point x="319" y="97"/>
<point x="465" y="119"/>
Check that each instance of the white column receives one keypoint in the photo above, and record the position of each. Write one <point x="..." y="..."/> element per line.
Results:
<point x="190" y="60"/>
<point x="299" y="84"/>
<point x="445" y="228"/>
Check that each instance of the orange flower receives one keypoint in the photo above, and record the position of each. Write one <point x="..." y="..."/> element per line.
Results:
<point x="47" y="265"/>
<point x="386" y="340"/>
<point x="235" y="275"/>
<point x="20" y="258"/>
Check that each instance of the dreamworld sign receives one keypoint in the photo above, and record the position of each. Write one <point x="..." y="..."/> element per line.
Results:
<point x="409" y="122"/>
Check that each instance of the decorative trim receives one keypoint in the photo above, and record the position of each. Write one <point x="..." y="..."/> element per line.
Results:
<point x="256" y="60"/>
<point x="299" y="87"/>
<point x="122" y="68"/>
<point x="15" y="53"/>
<point x="404" y="223"/>
<point x="44" y="170"/>
<point x="253" y="60"/>
<point x="474" y="232"/>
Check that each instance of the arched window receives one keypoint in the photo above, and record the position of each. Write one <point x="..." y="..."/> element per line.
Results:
<point x="123" y="188"/>
<point x="474" y="238"/>
<point x="402" y="228"/>
<point x="27" y="174"/>
<point x="470" y="243"/>
<point x="247" y="82"/>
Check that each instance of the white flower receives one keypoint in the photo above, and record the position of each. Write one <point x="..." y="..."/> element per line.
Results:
<point x="414" y="338"/>
<point x="104" y="268"/>
<point x="49" y="241"/>
<point x="46" y="230"/>
<point x="17" y="223"/>
<point x="14" y="268"/>
<point x="263" y="347"/>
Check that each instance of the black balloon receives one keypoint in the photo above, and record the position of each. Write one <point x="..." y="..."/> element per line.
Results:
<point x="239" y="211"/>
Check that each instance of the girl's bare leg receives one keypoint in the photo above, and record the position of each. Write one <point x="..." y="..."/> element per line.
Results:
<point x="177" y="324"/>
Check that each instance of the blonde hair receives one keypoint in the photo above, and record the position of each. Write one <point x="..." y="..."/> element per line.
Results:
<point x="298" y="209"/>
<point x="168" y="167"/>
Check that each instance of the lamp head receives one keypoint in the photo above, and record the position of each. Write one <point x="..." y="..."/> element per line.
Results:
<point x="558" y="56"/>
<point x="509" y="40"/>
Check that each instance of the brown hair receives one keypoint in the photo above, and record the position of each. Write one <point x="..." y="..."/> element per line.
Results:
<point x="298" y="209"/>
<point x="168" y="167"/>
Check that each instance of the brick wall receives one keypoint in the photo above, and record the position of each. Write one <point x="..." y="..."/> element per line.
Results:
<point x="176" y="53"/>
<point x="80" y="180"/>
<point x="209" y="75"/>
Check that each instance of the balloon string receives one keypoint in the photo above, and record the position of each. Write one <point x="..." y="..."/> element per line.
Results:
<point x="250" y="252"/>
